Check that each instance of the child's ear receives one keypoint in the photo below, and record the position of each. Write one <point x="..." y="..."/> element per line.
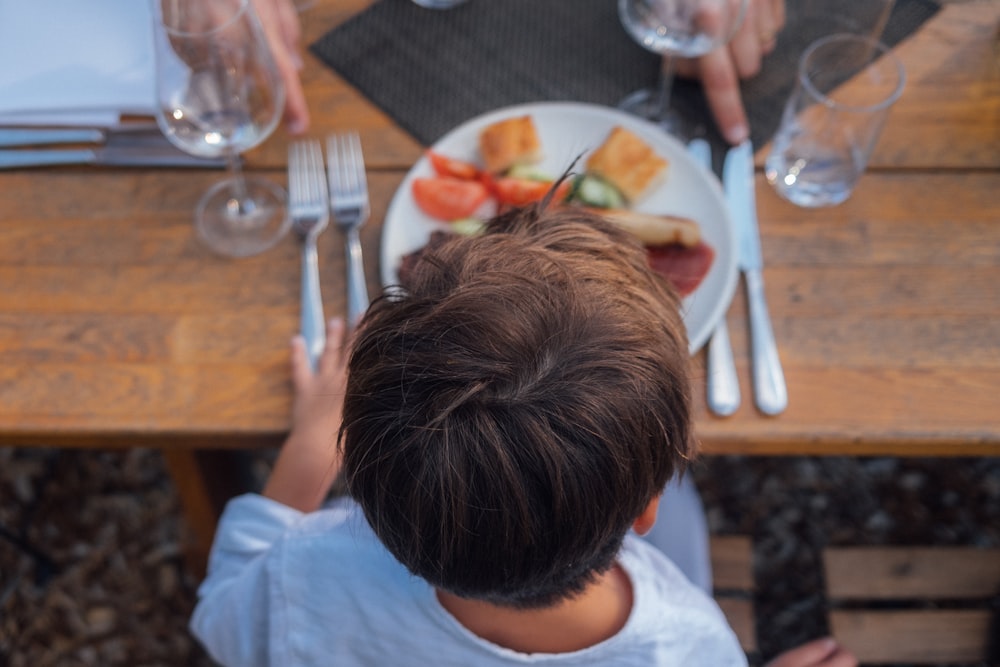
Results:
<point x="644" y="523"/>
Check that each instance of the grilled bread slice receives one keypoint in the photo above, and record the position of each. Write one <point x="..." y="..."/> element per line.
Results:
<point x="628" y="163"/>
<point x="509" y="142"/>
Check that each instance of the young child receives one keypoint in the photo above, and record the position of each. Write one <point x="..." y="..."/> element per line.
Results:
<point x="508" y="420"/>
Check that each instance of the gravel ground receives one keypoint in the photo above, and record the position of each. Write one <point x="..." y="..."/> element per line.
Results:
<point x="115" y="592"/>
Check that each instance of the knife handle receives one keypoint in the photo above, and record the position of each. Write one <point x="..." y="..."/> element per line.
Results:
<point x="14" y="159"/>
<point x="768" y="379"/>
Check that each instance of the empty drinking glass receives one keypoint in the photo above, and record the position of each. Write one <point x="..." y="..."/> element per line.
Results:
<point x="846" y="85"/>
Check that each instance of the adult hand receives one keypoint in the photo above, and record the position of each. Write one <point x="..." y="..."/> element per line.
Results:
<point x="819" y="653"/>
<point x="310" y="459"/>
<point x="721" y="70"/>
<point x="283" y="30"/>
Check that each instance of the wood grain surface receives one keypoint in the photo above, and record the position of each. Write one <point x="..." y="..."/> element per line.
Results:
<point x="118" y="329"/>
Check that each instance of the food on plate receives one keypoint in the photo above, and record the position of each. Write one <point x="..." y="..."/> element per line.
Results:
<point x="449" y="166"/>
<point x="513" y="191"/>
<point x="628" y="163"/>
<point x="620" y="171"/>
<point x="447" y="198"/>
<point x="409" y="261"/>
<point x="654" y="230"/>
<point x="594" y="191"/>
<point x="683" y="267"/>
<point x="509" y="142"/>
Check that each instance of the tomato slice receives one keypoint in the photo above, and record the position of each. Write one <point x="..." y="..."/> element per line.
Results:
<point x="446" y="166"/>
<point x="447" y="198"/>
<point x="521" y="191"/>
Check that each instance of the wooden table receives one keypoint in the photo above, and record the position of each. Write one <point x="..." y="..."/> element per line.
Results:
<point x="119" y="329"/>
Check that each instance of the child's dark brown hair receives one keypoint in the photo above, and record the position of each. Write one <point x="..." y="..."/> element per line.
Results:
<point x="514" y="409"/>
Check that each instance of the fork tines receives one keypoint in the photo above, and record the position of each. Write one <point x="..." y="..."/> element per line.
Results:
<point x="306" y="182"/>
<point x="348" y="183"/>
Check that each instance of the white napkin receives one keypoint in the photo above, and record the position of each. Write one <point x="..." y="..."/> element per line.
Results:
<point x="75" y="62"/>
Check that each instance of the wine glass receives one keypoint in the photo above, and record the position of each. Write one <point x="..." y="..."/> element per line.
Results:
<point x="219" y="94"/>
<point x="675" y="28"/>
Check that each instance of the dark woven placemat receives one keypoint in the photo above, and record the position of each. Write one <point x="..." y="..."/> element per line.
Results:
<point x="432" y="70"/>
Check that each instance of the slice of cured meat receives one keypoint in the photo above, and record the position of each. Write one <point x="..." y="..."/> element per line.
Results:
<point x="684" y="267"/>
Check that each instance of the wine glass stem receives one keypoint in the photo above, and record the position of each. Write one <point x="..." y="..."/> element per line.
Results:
<point x="666" y="84"/>
<point x="240" y="203"/>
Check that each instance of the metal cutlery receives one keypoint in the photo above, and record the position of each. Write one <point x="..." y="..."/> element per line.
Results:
<point x="349" y="202"/>
<point x="139" y="145"/>
<point x="105" y="156"/>
<point x="130" y="133"/>
<point x="309" y="209"/>
<point x="770" y="393"/>
<point x="722" y="384"/>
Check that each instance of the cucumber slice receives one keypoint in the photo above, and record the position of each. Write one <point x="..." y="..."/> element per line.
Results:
<point x="467" y="226"/>
<point x="594" y="191"/>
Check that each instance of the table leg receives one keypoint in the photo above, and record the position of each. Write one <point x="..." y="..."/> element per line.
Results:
<point x="205" y="480"/>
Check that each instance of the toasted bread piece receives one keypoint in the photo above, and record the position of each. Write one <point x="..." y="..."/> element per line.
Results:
<point x="628" y="163"/>
<point x="508" y="142"/>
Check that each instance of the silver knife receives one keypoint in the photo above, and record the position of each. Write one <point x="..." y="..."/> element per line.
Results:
<point x="104" y="155"/>
<point x="770" y="392"/>
<point x="132" y="133"/>
<point x="723" y="387"/>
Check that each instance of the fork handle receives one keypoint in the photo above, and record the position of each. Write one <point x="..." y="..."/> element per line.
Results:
<point x="312" y="320"/>
<point x="723" y="386"/>
<point x="357" y="290"/>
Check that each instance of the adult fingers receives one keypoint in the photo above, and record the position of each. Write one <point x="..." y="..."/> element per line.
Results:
<point x="722" y="91"/>
<point x="296" y="112"/>
<point x="291" y="28"/>
<point x="778" y="11"/>
<point x="767" y="25"/>
<point x="745" y="45"/>
<point x="296" y="107"/>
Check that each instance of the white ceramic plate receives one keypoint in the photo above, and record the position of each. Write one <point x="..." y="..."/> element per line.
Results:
<point x="566" y="130"/>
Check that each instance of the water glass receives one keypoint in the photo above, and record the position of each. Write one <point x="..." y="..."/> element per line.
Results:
<point x="845" y="88"/>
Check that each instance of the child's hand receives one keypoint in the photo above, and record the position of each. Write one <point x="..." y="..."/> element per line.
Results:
<point x="819" y="653"/>
<point x="309" y="460"/>
<point x="319" y="395"/>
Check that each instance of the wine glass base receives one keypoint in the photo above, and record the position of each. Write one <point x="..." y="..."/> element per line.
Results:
<point x="242" y="226"/>
<point x="646" y="104"/>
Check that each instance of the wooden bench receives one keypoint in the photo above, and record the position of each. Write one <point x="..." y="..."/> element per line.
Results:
<point x="927" y="605"/>
<point x="732" y="575"/>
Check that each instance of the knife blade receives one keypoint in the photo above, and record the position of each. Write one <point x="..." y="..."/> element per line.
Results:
<point x="722" y="385"/>
<point x="770" y="392"/>
<point x="130" y="133"/>
<point x="106" y="156"/>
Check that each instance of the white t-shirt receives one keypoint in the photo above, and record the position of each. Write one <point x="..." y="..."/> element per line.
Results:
<point x="286" y="588"/>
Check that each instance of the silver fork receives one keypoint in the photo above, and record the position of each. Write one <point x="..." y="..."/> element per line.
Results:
<point x="723" y="388"/>
<point x="349" y="201"/>
<point x="307" y="205"/>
